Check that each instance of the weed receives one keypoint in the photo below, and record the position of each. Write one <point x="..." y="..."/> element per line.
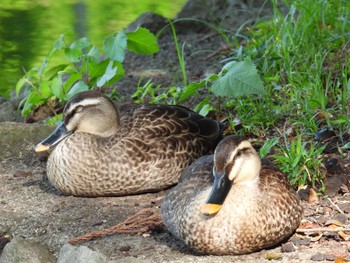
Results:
<point x="85" y="69"/>
<point x="301" y="162"/>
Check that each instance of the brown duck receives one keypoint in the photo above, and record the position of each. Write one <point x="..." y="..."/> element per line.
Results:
<point x="101" y="151"/>
<point x="231" y="202"/>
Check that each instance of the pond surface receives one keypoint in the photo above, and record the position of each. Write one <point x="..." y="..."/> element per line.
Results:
<point x="28" y="28"/>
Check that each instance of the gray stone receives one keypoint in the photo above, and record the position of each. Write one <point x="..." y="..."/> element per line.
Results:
<point x="80" y="254"/>
<point x="23" y="251"/>
<point x="18" y="139"/>
<point x="8" y="112"/>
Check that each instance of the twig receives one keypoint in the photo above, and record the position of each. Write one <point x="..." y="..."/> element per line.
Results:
<point x="137" y="223"/>
<point x="337" y="207"/>
<point x="323" y="229"/>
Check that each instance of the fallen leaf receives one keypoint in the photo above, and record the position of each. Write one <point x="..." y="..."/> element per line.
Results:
<point x="273" y="256"/>
<point x="340" y="260"/>
<point x="316" y="238"/>
<point x="312" y="196"/>
<point x="308" y="225"/>
<point x="334" y="222"/>
<point x="344" y="236"/>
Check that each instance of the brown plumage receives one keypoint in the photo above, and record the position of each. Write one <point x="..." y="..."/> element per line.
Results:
<point x="260" y="208"/>
<point x="99" y="153"/>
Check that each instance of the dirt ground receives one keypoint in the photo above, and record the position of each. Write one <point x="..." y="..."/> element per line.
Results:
<point x="32" y="209"/>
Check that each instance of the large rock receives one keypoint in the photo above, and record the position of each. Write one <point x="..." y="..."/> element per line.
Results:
<point x="18" y="139"/>
<point x="23" y="251"/>
<point x="80" y="254"/>
<point x="8" y="112"/>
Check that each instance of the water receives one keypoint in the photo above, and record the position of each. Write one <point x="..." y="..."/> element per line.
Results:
<point x="28" y="28"/>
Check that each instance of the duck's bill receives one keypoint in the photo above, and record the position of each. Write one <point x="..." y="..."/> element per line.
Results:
<point x="210" y="209"/>
<point x="58" y="135"/>
<point x="221" y="187"/>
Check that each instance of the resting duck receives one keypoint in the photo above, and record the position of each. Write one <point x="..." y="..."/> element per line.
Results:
<point x="231" y="203"/>
<point x="102" y="152"/>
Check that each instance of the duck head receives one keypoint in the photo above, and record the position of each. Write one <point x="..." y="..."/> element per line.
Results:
<point x="88" y="111"/>
<point x="235" y="162"/>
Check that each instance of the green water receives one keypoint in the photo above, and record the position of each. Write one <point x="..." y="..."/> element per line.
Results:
<point x="28" y="28"/>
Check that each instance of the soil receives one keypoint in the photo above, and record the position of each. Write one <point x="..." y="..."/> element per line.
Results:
<point x="31" y="208"/>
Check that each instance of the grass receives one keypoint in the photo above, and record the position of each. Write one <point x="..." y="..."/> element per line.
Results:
<point x="302" y="57"/>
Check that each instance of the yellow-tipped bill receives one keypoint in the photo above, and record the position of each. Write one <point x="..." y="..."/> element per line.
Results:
<point x="41" y="148"/>
<point x="210" y="209"/>
<point x="54" y="138"/>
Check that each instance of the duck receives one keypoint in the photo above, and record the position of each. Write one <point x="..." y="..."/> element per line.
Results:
<point x="102" y="150"/>
<point x="232" y="202"/>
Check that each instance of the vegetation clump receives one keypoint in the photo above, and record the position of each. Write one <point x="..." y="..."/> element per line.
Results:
<point x="284" y="79"/>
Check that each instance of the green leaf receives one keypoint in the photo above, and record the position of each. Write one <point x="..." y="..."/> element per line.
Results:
<point x="115" y="45"/>
<point x="93" y="54"/>
<point x="20" y="84"/>
<point x="190" y="90"/>
<point x="205" y="110"/>
<point x="57" y="88"/>
<point x="73" y="54"/>
<point x="77" y="87"/>
<point x="71" y="80"/>
<point x="52" y="72"/>
<point x="45" y="90"/>
<point x="97" y="69"/>
<point x="109" y="74"/>
<point x="142" y="41"/>
<point x="81" y="43"/>
<point x="119" y="74"/>
<point x="55" y="120"/>
<point x="266" y="148"/>
<point x="59" y="43"/>
<point x="242" y="79"/>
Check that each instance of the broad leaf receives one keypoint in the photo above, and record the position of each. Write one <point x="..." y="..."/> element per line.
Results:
<point x="114" y="46"/>
<point x="73" y="78"/>
<point x="81" y="43"/>
<point x="77" y="87"/>
<point x="242" y="79"/>
<point x="73" y="54"/>
<point x="93" y="54"/>
<point x="142" y="41"/>
<point x="57" y="88"/>
<point x="59" y="43"/>
<point x="45" y="91"/>
<point x="190" y="90"/>
<point x="52" y="72"/>
<point x="109" y="74"/>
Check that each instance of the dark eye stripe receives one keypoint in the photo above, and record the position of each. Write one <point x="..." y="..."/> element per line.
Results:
<point x="243" y="151"/>
<point x="78" y="108"/>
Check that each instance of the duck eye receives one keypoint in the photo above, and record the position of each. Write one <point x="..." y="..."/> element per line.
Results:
<point x="78" y="109"/>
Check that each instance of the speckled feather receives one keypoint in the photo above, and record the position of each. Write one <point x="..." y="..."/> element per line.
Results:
<point x="153" y="144"/>
<point x="251" y="218"/>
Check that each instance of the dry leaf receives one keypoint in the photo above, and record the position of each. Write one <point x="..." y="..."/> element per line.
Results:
<point x="316" y="238"/>
<point x="340" y="260"/>
<point x="308" y="225"/>
<point x="273" y="256"/>
<point x="333" y="223"/>
<point x="344" y="236"/>
<point x="312" y="196"/>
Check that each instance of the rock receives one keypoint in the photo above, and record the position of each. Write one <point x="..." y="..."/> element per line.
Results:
<point x="8" y="112"/>
<point x="18" y="139"/>
<point x="80" y="254"/>
<point x="318" y="257"/>
<point x="19" y="250"/>
<point x="333" y="185"/>
<point x="288" y="247"/>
